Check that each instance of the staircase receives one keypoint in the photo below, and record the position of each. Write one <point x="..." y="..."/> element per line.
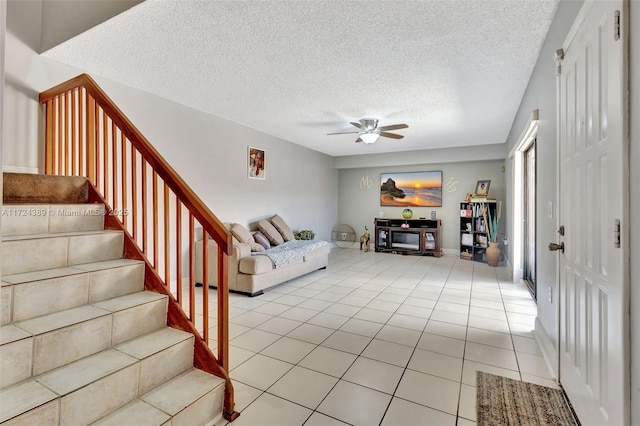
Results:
<point x="81" y="341"/>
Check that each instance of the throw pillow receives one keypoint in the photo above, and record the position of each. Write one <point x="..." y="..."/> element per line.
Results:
<point x="262" y="240"/>
<point x="255" y="247"/>
<point x="283" y="228"/>
<point x="242" y="234"/>
<point x="270" y="232"/>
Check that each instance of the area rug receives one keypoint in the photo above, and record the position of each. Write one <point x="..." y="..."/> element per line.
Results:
<point x="503" y="401"/>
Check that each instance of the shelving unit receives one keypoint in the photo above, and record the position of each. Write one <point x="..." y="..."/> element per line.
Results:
<point x="408" y="236"/>
<point x="474" y="235"/>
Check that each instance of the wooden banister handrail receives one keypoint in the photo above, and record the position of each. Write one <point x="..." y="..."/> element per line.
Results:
<point x="200" y="211"/>
<point x="88" y="135"/>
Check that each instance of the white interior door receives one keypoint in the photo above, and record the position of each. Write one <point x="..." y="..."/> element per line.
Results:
<point x="594" y="342"/>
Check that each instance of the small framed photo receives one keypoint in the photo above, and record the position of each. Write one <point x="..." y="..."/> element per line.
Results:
<point x="256" y="163"/>
<point x="482" y="187"/>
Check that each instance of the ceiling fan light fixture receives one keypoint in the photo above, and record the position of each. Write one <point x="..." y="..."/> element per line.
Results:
<point x="369" y="138"/>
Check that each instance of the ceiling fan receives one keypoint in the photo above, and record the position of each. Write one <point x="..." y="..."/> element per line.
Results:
<point x="370" y="132"/>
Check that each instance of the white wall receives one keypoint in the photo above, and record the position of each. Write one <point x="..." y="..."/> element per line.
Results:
<point x="359" y="203"/>
<point x="211" y="156"/>
<point x="541" y="95"/>
<point x="634" y="243"/>
<point x="210" y="153"/>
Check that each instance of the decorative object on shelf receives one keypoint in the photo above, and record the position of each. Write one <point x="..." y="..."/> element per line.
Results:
<point x="415" y="189"/>
<point x="404" y="226"/>
<point x="365" y="240"/>
<point x="492" y="224"/>
<point x="256" y="163"/>
<point x="482" y="188"/>
<point x="407" y="214"/>
<point x="305" y="234"/>
<point x="343" y="235"/>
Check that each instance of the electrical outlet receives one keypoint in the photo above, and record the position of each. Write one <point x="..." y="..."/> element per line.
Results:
<point x="550" y="294"/>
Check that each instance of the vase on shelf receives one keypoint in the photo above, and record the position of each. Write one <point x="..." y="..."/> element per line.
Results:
<point x="493" y="254"/>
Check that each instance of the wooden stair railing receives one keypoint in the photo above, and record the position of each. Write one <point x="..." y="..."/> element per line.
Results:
<point x="87" y="135"/>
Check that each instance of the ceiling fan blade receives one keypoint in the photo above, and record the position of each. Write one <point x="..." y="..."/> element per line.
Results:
<point x="391" y="135"/>
<point x="341" y="133"/>
<point x="393" y="127"/>
<point x="359" y="140"/>
<point x="358" y="125"/>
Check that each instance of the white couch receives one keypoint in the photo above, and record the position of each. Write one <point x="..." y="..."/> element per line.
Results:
<point x="251" y="272"/>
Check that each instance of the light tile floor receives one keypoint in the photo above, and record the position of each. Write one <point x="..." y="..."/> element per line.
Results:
<point x="379" y="339"/>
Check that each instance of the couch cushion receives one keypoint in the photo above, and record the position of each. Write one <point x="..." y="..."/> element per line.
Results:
<point x="242" y="234"/>
<point x="269" y="231"/>
<point x="283" y="228"/>
<point x="262" y="240"/>
<point x="254" y="265"/>
<point x="255" y="247"/>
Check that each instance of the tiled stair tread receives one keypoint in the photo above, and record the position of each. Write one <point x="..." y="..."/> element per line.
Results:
<point x="178" y="393"/>
<point x="76" y="375"/>
<point x="61" y="319"/>
<point x="128" y="301"/>
<point x="11" y="333"/>
<point x="57" y="235"/>
<point x="58" y="218"/>
<point x="107" y="264"/>
<point x="135" y="413"/>
<point x="154" y="342"/>
<point x="46" y="274"/>
<point x="23" y="397"/>
<point x="84" y="206"/>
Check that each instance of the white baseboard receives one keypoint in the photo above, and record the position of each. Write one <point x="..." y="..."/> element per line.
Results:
<point x="548" y="349"/>
<point x="16" y="169"/>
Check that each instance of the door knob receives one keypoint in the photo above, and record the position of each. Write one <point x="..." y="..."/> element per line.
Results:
<point x="556" y="247"/>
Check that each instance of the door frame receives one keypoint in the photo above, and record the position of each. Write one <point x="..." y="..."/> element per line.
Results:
<point x="526" y="138"/>
<point x="530" y="200"/>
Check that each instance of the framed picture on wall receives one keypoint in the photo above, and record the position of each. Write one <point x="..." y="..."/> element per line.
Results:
<point x="256" y="163"/>
<point x="413" y="189"/>
<point x="482" y="187"/>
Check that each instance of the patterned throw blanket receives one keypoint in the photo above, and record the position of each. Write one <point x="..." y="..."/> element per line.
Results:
<point x="290" y="251"/>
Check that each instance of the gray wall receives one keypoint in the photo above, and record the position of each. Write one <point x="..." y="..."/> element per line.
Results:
<point x="211" y="156"/>
<point x="359" y="203"/>
<point x="541" y="95"/>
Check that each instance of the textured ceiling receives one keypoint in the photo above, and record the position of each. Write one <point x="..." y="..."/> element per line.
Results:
<point x="454" y="71"/>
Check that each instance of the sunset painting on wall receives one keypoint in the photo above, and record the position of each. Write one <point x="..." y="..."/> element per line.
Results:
<point x="415" y="189"/>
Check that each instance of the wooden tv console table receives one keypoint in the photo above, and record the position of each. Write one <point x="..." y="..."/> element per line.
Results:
<point x="421" y="236"/>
